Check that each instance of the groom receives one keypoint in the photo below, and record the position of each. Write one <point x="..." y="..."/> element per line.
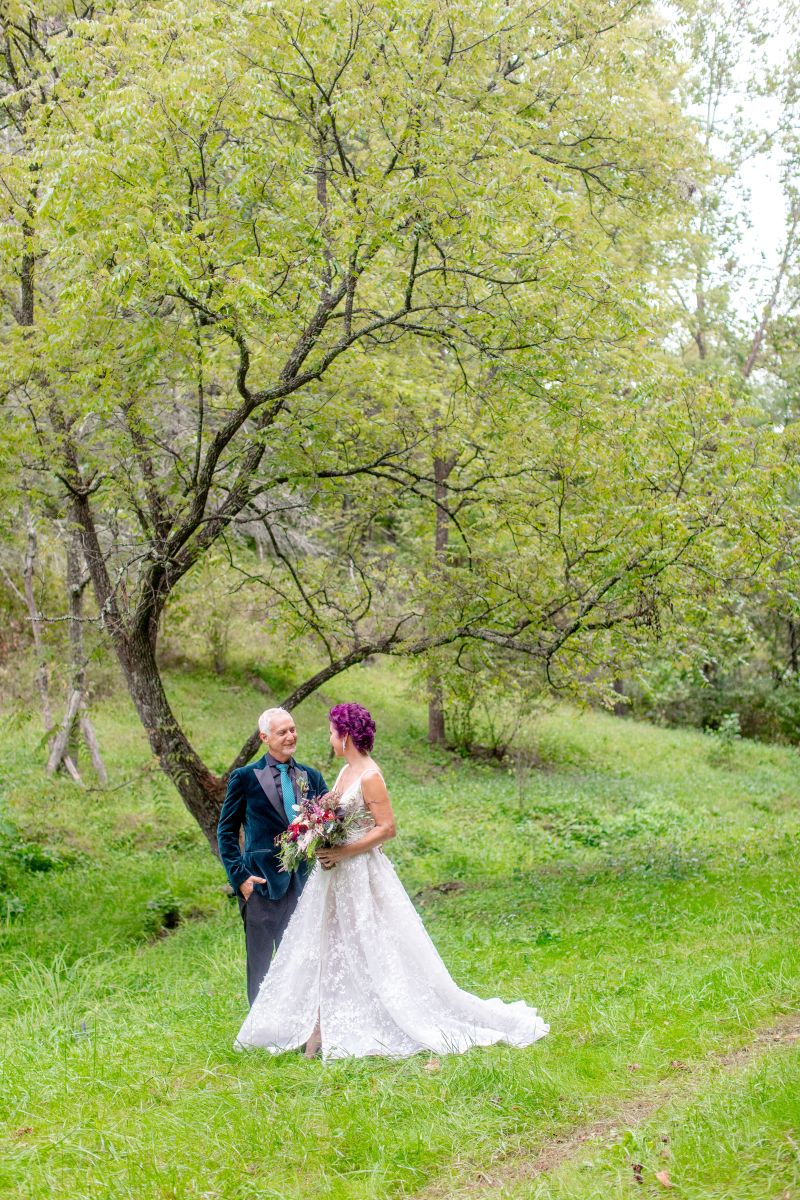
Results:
<point x="260" y="799"/>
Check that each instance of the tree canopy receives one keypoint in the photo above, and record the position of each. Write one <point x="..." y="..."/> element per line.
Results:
<point x="382" y="292"/>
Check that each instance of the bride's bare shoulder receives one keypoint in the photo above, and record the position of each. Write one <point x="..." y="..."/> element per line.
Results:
<point x="372" y="781"/>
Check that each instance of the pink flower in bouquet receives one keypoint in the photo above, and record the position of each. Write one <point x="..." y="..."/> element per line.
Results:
<point x="320" y="823"/>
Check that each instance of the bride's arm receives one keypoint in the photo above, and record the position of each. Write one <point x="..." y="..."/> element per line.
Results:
<point x="376" y="798"/>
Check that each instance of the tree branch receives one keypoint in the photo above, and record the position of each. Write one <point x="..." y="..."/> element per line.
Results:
<point x="769" y="307"/>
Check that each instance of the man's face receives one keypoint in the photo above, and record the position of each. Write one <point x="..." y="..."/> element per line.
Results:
<point x="281" y="740"/>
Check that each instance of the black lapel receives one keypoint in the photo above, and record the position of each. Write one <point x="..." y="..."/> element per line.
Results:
<point x="264" y="777"/>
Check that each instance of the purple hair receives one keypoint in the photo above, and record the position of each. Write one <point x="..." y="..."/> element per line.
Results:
<point x="354" y="720"/>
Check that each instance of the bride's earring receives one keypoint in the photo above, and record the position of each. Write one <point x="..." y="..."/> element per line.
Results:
<point x="344" y="743"/>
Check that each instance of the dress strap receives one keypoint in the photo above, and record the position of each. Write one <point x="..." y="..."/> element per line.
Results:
<point x="338" y="777"/>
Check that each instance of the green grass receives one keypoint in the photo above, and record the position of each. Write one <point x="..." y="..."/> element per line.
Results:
<point x="641" y="889"/>
<point x="738" y="1137"/>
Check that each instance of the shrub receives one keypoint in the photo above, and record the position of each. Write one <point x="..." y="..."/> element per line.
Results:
<point x="164" y="913"/>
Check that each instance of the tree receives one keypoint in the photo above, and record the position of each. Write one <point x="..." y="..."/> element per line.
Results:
<point x="736" y="318"/>
<point x="741" y="81"/>
<point x="236" y="240"/>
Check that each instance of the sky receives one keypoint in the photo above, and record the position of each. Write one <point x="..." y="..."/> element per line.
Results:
<point x="765" y="207"/>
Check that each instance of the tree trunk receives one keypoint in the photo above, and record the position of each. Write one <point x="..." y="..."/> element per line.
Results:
<point x="794" y="646"/>
<point x="59" y="755"/>
<point x="135" y="646"/>
<point x="441" y="471"/>
<point x="201" y="791"/>
<point x="77" y="721"/>
<point x="29" y="570"/>
<point x="436" y="729"/>
<point x="90" y="737"/>
<point x="77" y="657"/>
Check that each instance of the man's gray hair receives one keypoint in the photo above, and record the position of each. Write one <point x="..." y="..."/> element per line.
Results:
<point x="268" y="716"/>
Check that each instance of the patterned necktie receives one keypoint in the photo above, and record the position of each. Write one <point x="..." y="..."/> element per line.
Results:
<point x="289" y="798"/>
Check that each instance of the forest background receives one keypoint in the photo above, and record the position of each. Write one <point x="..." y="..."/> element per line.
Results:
<point x="442" y="336"/>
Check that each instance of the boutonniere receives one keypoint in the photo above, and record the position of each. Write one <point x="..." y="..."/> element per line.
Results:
<point x="302" y="783"/>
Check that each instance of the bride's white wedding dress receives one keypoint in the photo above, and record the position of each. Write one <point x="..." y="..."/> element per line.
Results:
<point x="356" y="955"/>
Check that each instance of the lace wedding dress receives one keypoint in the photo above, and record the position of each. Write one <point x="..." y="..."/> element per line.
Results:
<point x="356" y="955"/>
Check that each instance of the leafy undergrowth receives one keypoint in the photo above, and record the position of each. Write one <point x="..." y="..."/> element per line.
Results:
<point x="639" y="890"/>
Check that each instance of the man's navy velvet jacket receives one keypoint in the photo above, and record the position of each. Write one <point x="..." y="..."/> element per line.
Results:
<point x="253" y="802"/>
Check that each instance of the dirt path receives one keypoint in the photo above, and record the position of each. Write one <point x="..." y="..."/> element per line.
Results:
<point x="509" y="1170"/>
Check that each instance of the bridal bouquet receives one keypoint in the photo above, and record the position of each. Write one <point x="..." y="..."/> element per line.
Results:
<point x="319" y="823"/>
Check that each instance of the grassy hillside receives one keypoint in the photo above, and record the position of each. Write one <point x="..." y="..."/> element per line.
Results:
<point x="640" y="887"/>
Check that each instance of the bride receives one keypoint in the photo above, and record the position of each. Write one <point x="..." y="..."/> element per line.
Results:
<point x="356" y="973"/>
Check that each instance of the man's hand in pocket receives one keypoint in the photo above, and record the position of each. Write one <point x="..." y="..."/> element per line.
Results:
<point x="247" y="887"/>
